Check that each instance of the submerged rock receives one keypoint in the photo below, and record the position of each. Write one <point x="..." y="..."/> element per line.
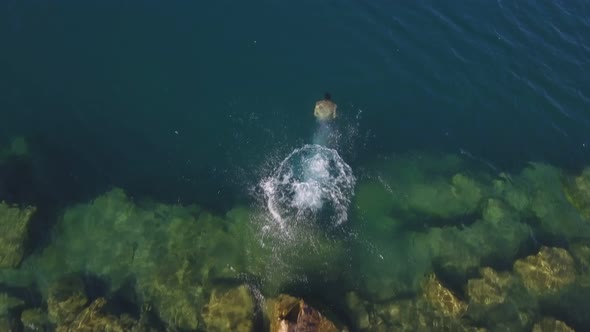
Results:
<point x="374" y="204"/>
<point x="460" y="252"/>
<point x="359" y="312"/>
<point x="14" y="224"/>
<point x="557" y="217"/>
<point x="8" y="303"/>
<point x="34" y="320"/>
<point x="66" y="299"/>
<point x="546" y="272"/>
<point x="421" y="189"/>
<point x="289" y="314"/>
<point x="551" y="325"/>
<point x="444" y="198"/>
<point x="173" y="252"/>
<point x="514" y="195"/>
<point x="491" y="288"/>
<point x="93" y="318"/>
<point x="419" y="314"/>
<point x="498" y="300"/>
<point x="6" y="324"/>
<point x="581" y="253"/>
<point x="230" y="310"/>
<point x="442" y="299"/>
<point x="175" y="294"/>
<point x="578" y="193"/>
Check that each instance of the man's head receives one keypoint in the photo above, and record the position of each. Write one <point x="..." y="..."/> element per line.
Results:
<point x="327" y="96"/>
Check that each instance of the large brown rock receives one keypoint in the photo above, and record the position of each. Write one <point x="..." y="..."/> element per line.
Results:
<point x="289" y="314"/>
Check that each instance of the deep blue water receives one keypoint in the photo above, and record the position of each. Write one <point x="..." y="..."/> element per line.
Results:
<point x="194" y="102"/>
<point x="103" y="86"/>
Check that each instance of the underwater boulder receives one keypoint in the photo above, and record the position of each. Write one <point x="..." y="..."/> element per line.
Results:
<point x="581" y="253"/>
<point x="287" y="314"/>
<point x="8" y="303"/>
<point x="358" y="311"/>
<point x="444" y="198"/>
<point x="460" y="252"/>
<point x="230" y="310"/>
<point x="491" y="288"/>
<point x="442" y="299"/>
<point x="495" y="211"/>
<point x="511" y="192"/>
<point x="426" y="189"/>
<point x="6" y="324"/>
<point x="14" y="224"/>
<point x="547" y="272"/>
<point x="174" y="292"/>
<point x="94" y="318"/>
<point x="373" y="209"/>
<point x="430" y="311"/>
<point x="556" y="216"/>
<point x="103" y="237"/>
<point x="577" y="191"/>
<point x="66" y="299"/>
<point x="34" y="320"/>
<point x="383" y="278"/>
<point x="549" y="324"/>
<point x="498" y="300"/>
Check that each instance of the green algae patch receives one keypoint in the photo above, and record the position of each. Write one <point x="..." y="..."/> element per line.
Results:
<point x="491" y="289"/>
<point x="8" y="302"/>
<point x="189" y="265"/>
<point x="435" y="308"/>
<point x="550" y="324"/>
<point x="298" y="254"/>
<point x="94" y="317"/>
<point x="34" y="319"/>
<point x="175" y="254"/>
<point x="101" y="238"/>
<point x="577" y="191"/>
<point x="444" y="198"/>
<point x="513" y="194"/>
<point x="14" y="223"/>
<point x="66" y="299"/>
<point x="372" y="200"/>
<point x="423" y="190"/>
<point x="393" y="267"/>
<point x="230" y="310"/>
<point x="461" y="251"/>
<point x="549" y="205"/>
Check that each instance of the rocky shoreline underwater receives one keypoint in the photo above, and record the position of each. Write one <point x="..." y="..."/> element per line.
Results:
<point x="434" y="243"/>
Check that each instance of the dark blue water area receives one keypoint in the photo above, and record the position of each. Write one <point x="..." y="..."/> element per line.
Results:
<point x="188" y="101"/>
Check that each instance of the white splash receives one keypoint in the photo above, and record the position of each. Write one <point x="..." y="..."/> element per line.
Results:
<point x="313" y="182"/>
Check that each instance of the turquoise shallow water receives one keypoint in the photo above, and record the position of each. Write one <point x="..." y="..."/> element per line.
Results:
<point x="196" y="103"/>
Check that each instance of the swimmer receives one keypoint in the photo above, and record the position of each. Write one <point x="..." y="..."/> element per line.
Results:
<point x="325" y="109"/>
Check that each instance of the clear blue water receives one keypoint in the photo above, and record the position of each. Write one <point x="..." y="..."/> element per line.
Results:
<point x="190" y="101"/>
